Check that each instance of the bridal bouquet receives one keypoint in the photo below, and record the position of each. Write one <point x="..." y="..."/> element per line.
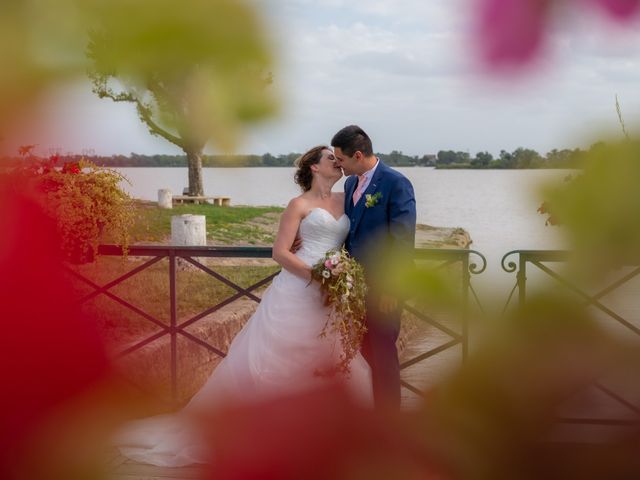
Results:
<point x="341" y="280"/>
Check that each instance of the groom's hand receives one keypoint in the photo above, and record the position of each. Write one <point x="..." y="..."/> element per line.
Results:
<point x="296" y="245"/>
<point x="388" y="304"/>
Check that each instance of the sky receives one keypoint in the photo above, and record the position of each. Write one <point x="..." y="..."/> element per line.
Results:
<point x="407" y="72"/>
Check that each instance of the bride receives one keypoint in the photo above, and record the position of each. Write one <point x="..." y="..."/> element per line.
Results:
<point x="280" y="348"/>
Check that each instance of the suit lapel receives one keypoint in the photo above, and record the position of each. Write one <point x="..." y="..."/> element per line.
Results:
<point x="371" y="189"/>
<point x="348" y="194"/>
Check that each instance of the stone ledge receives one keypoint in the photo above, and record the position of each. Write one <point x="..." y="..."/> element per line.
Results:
<point x="149" y="366"/>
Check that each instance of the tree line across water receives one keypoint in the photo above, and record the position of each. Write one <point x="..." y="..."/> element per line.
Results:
<point x="520" y="158"/>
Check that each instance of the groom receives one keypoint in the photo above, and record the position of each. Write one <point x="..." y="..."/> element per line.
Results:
<point x="381" y="205"/>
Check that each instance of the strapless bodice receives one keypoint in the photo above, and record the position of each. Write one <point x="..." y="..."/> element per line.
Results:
<point x="321" y="232"/>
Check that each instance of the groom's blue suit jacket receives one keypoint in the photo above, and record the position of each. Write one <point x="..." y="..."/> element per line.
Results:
<point x="388" y="224"/>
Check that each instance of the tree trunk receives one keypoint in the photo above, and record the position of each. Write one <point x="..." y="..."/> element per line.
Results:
<point x="194" y="162"/>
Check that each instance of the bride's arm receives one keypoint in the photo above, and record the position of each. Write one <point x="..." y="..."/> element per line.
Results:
<point x="289" y="223"/>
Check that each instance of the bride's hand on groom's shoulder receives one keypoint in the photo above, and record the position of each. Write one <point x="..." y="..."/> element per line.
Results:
<point x="296" y="245"/>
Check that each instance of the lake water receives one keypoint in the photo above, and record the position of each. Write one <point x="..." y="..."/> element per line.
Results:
<point x="496" y="207"/>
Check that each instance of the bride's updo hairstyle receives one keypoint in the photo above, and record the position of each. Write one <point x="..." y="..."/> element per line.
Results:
<point x="304" y="175"/>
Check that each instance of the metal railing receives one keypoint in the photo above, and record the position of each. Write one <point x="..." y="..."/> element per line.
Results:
<point x="539" y="260"/>
<point x="459" y="259"/>
<point x="177" y="327"/>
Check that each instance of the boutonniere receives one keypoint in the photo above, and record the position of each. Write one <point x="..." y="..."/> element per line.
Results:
<point x="372" y="200"/>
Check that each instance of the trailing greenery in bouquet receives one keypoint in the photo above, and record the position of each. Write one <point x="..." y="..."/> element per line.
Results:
<point x="342" y="282"/>
<point x="85" y="201"/>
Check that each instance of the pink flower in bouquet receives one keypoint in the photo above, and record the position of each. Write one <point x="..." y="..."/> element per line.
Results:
<point x="342" y="282"/>
<point x="338" y="269"/>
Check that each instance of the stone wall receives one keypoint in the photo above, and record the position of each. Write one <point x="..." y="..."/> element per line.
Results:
<point x="150" y="366"/>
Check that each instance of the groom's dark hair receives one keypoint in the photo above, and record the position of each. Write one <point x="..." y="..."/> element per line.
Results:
<point x="352" y="139"/>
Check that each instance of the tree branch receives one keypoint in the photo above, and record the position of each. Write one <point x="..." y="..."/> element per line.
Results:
<point x="101" y="88"/>
<point x="145" y="114"/>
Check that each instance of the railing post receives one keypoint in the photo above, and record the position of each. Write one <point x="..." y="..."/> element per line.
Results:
<point x="466" y="281"/>
<point x="172" y="326"/>
<point x="522" y="279"/>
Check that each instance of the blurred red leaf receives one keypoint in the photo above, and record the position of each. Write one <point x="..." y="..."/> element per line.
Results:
<point x="318" y="435"/>
<point x="49" y="352"/>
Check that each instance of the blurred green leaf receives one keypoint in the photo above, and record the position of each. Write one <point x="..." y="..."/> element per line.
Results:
<point x="600" y="208"/>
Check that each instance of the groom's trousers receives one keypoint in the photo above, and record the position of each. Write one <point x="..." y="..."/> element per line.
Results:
<point x="380" y="352"/>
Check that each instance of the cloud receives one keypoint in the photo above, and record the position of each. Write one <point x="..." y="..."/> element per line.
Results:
<point x="403" y="70"/>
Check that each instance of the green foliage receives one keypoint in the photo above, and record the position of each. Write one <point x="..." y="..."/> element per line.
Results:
<point x="85" y="200"/>
<point x="448" y="157"/>
<point x="195" y="70"/>
<point x="600" y="208"/>
<point x="482" y="160"/>
<point x="526" y="158"/>
<point x="520" y="158"/>
<point x="36" y="51"/>
<point x="565" y="158"/>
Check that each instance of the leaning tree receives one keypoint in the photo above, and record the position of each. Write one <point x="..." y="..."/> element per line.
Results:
<point x="196" y="70"/>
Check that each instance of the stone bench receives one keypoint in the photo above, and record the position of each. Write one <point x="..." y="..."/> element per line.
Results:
<point x="219" y="201"/>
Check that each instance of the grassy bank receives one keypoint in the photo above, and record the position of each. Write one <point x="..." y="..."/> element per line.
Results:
<point x="237" y="225"/>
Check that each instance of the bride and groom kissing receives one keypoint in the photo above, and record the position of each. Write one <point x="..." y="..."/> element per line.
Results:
<point x="280" y="348"/>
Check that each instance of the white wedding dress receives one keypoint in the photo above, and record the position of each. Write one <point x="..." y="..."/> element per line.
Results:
<point x="278" y="352"/>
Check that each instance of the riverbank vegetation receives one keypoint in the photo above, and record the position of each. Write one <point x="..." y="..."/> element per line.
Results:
<point x="520" y="158"/>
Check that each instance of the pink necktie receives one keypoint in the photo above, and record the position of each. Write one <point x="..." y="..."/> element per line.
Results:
<point x="359" y="189"/>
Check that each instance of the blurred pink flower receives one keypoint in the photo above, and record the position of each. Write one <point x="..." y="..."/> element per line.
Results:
<point x="510" y="32"/>
<point x="620" y="9"/>
<point x="339" y="440"/>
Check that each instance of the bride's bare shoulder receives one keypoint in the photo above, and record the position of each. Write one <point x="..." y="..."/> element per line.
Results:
<point x="298" y="205"/>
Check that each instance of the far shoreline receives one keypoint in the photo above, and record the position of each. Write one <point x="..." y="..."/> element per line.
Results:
<point x="392" y="166"/>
